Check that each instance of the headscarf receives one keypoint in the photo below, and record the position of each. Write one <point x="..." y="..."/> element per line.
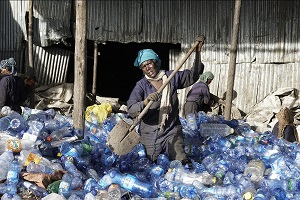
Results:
<point x="285" y="117"/>
<point x="146" y="54"/>
<point x="165" y="103"/>
<point x="205" y="76"/>
<point x="10" y="65"/>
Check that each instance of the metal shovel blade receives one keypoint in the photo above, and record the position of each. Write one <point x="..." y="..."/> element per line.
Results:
<point x="120" y="140"/>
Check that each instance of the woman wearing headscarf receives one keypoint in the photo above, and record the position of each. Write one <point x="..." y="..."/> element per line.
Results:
<point x="11" y="86"/>
<point x="198" y="98"/>
<point x="285" y="127"/>
<point x="160" y="128"/>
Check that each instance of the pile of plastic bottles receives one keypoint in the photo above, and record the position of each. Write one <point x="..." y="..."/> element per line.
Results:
<point x="230" y="161"/>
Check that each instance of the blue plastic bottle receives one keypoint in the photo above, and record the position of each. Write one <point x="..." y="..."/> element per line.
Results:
<point x="68" y="164"/>
<point x="191" y="121"/>
<point x="13" y="177"/>
<point x="5" y="123"/>
<point x="163" y="161"/>
<point x="186" y="191"/>
<point x="18" y="123"/>
<point x="132" y="184"/>
<point x="90" y="185"/>
<point x="36" y="190"/>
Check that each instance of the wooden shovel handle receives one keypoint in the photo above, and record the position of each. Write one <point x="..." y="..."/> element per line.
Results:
<point x="200" y="42"/>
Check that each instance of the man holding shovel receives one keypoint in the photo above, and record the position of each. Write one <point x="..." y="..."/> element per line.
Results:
<point x="160" y="127"/>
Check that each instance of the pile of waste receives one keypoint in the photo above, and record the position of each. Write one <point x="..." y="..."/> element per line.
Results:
<point x="42" y="156"/>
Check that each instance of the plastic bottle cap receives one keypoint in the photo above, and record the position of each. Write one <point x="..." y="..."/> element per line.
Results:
<point x="59" y="154"/>
<point x="248" y="196"/>
<point x="231" y="130"/>
<point x="215" y="180"/>
<point x="48" y="138"/>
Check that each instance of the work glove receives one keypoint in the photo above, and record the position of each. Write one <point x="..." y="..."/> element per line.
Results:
<point x="155" y="96"/>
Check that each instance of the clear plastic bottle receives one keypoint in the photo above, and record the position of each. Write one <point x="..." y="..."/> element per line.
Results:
<point x="208" y="129"/>
<point x="262" y="194"/>
<point x="114" y="192"/>
<point x="5" y="159"/>
<point x="186" y="177"/>
<point x="64" y="120"/>
<point x="192" y="121"/>
<point x="38" y="168"/>
<point x="249" y="193"/>
<point x="91" y="173"/>
<point x="102" y="195"/>
<point x="3" y="188"/>
<point x="32" y="155"/>
<point x="52" y="125"/>
<point x="36" y="190"/>
<point x="105" y="181"/>
<point x="255" y="170"/>
<point x="69" y="183"/>
<point x="171" y="195"/>
<point x="221" y="191"/>
<point x="60" y="133"/>
<point x="5" y="110"/>
<point x="11" y="197"/>
<point x="15" y="144"/>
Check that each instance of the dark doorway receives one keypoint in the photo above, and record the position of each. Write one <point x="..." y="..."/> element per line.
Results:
<point x="116" y="74"/>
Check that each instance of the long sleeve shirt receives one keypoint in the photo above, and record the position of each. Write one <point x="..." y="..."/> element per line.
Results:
<point x="199" y="91"/>
<point x="11" y="89"/>
<point x="150" y="121"/>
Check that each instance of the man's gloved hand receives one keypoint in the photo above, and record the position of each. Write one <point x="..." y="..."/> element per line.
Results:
<point x="155" y="96"/>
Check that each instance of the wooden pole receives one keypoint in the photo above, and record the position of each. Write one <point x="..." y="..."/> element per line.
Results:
<point x="29" y="37"/>
<point x="94" y="87"/>
<point x="80" y="66"/>
<point x="232" y="61"/>
<point x="30" y="49"/>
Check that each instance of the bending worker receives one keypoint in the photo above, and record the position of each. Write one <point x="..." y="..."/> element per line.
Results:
<point x="160" y="128"/>
<point x="198" y="98"/>
<point x="285" y="127"/>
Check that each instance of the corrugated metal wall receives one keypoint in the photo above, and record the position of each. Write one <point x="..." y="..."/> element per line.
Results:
<point x="11" y="43"/>
<point x="50" y="64"/>
<point x="268" y="46"/>
<point x="51" y="24"/>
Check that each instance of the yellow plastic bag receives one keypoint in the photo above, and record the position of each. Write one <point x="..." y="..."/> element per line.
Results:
<point x="100" y="111"/>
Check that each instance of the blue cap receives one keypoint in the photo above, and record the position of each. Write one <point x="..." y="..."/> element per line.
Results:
<point x="146" y="54"/>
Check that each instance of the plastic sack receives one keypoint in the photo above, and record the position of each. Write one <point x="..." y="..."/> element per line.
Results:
<point x="100" y="112"/>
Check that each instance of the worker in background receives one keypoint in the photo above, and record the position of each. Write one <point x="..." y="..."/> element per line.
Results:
<point x="199" y="97"/>
<point x="13" y="89"/>
<point x="285" y="127"/>
<point x="160" y="128"/>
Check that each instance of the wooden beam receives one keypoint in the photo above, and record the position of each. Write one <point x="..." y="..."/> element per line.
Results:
<point x="232" y="61"/>
<point x="94" y="87"/>
<point x="80" y="65"/>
